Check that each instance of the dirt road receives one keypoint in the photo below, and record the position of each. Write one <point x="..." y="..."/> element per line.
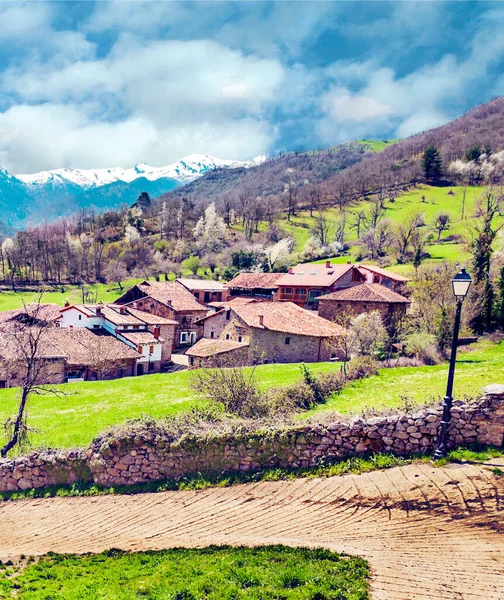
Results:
<point x="428" y="533"/>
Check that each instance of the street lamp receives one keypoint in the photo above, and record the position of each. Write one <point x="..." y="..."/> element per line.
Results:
<point x="461" y="283"/>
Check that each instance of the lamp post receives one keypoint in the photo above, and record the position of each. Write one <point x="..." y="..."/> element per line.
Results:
<point x="461" y="283"/>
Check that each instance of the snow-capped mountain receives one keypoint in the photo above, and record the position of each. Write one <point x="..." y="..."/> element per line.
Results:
<point x="185" y="170"/>
<point x="31" y="198"/>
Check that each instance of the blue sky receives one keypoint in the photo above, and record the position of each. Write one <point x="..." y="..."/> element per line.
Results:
<point x="97" y="84"/>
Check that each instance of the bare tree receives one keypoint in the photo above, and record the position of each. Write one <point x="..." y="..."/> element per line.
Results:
<point x="404" y="234"/>
<point x="321" y="229"/>
<point x="379" y="239"/>
<point x="441" y="223"/>
<point x="28" y="338"/>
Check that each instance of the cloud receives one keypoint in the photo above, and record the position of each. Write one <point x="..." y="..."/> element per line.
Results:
<point x="125" y="82"/>
<point x="193" y="96"/>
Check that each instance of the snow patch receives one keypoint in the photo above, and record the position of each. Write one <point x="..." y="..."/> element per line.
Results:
<point x="185" y="170"/>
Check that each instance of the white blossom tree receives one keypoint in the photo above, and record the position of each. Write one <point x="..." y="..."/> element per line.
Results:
<point x="278" y="255"/>
<point x="210" y="230"/>
<point x="367" y="333"/>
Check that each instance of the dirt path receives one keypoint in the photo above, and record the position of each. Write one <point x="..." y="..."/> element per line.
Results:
<point x="428" y="533"/>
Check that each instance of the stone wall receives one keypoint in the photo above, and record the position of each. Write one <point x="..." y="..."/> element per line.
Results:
<point x="301" y="348"/>
<point x="150" y="453"/>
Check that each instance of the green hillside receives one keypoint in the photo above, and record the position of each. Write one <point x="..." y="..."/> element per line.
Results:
<point x="457" y="201"/>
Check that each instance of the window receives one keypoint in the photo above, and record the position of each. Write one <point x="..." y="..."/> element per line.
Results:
<point x="376" y="279"/>
<point x="355" y="275"/>
<point x="80" y="317"/>
<point x="228" y="314"/>
<point x="240" y="338"/>
<point x="139" y="349"/>
<point x="287" y="290"/>
<point x="287" y="341"/>
<point x="196" y="295"/>
<point x="151" y="367"/>
<point x="96" y="327"/>
<point x="227" y="336"/>
<point x="211" y="334"/>
<point x="183" y="320"/>
<point x="151" y="349"/>
<point x="136" y="326"/>
<point x="183" y="337"/>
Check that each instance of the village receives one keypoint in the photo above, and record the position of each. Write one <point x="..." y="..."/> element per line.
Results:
<point x="159" y="326"/>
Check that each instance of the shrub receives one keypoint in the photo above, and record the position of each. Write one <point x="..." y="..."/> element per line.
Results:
<point x="233" y="388"/>
<point x="291" y="398"/>
<point x="423" y="345"/>
<point x="312" y="382"/>
<point x="331" y="382"/>
<point x="361" y="367"/>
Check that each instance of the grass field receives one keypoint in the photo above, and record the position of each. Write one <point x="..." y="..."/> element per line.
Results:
<point x="214" y="573"/>
<point x="426" y="199"/>
<point x="106" y="292"/>
<point x="91" y="407"/>
<point x="478" y="366"/>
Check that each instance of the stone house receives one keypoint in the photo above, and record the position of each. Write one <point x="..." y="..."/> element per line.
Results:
<point x="150" y="335"/>
<point x="275" y="332"/>
<point x="171" y="300"/>
<point x="205" y="291"/>
<point x="363" y="298"/>
<point x="255" y="285"/>
<point x="394" y="281"/>
<point x="51" y="360"/>
<point x="94" y="354"/>
<point x="305" y="284"/>
<point x="65" y="354"/>
<point x="211" y="353"/>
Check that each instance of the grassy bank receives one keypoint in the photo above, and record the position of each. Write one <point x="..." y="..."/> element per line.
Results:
<point x="90" y="407"/>
<point x="188" y="574"/>
<point x="477" y="366"/>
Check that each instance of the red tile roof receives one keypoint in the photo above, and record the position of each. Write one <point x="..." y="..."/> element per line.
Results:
<point x="384" y="273"/>
<point x="314" y="275"/>
<point x="238" y="300"/>
<point x="286" y="317"/>
<point x="367" y="292"/>
<point x="202" y="284"/>
<point x="149" y="318"/>
<point x="88" y="347"/>
<point x="249" y="281"/>
<point x="206" y="347"/>
<point x="140" y="337"/>
<point x="44" y="312"/>
<point x="172" y="294"/>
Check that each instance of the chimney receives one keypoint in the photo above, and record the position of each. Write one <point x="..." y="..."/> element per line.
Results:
<point x="67" y="304"/>
<point x="261" y="320"/>
<point x="290" y="271"/>
<point x="348" y="262"/>
<point x="328" y="264"/>
<point x="156" y="332"/>
<point x="98" y="311"/>
<point x="121" y="310"/>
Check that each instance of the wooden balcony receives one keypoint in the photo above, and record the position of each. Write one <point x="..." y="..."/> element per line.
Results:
<point x="298" y="298"/>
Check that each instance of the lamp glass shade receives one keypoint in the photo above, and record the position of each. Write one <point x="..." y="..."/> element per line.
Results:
<point x="461" y="283"/>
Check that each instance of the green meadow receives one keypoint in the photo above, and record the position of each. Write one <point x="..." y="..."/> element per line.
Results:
<point x="213" y="573"/>
<point x="91" y="406"/>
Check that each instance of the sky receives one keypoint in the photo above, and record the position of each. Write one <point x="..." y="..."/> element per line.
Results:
<point x="101" y="84"/>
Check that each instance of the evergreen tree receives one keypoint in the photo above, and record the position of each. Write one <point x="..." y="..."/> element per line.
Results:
<point x="483" y="234"/>
<point x="143" y="201"/>
<point x="431" y="163"/>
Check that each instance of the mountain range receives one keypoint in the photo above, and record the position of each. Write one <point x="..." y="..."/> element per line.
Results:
<point x="28" y="198"/>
